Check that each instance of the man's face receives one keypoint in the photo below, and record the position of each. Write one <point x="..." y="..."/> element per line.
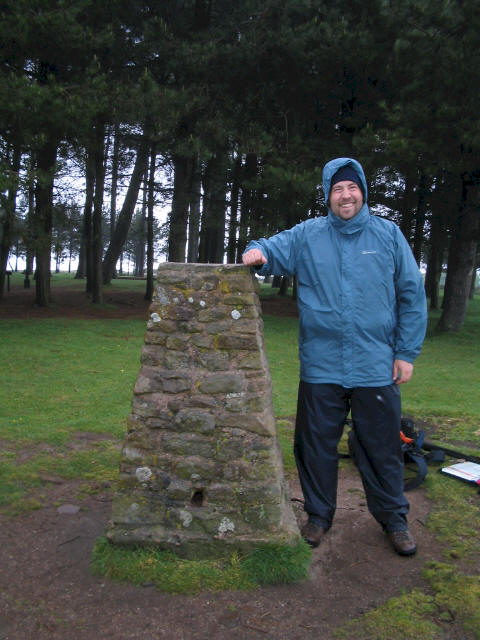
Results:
<point x="346" y="199"/>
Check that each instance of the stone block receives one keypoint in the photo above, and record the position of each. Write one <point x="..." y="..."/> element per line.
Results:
<point x="202" y="341"/>
<point x="215" y="383"/>
<point x="177" y="360"/>
<point x="214" y="314"/>
<point x="195" y="421"/>
<point x="181" y="445"/>
<point x="153" y="355"/>
<point x="212" y="360"/>
<point x="250" y="361"/>
<point x="194" y="468"/>
<point x="155" y="337"/>
<point x="177" y="343"/>
<point x="237" y="342"/>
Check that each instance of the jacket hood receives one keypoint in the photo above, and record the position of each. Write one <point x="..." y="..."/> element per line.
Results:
<point x="333" y="166"/>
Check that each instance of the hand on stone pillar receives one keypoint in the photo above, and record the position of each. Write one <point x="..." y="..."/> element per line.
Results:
<point x="253" y="258"/>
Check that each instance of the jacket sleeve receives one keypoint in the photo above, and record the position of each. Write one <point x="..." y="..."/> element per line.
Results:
<point x="280" y="251"/>
<point x="411" y="303"/>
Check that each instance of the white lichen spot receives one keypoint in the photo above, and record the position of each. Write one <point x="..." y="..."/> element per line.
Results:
<point x="155" y="317"/>
<point x="143" y="474"/>
<point x="162" y="295"/>
<point x="176" y="300"/>
<point x="185" y="517"/>
<point x="132" y="454"/>
<point x="203" y="303"/>
<point x="236" y="315"/>
<point x="190" y="300"/>
<point x="132" y="510"/>
<point x="225" y="526"/>
<point x="235" y="395"/>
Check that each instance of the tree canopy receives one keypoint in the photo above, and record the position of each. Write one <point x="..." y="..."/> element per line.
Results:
<point x="227" y="110"/>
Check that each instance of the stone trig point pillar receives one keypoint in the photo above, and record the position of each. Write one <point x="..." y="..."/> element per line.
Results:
<point x="201" y="468"/>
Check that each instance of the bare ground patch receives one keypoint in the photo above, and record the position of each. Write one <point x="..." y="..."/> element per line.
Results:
<point x="47" y="591"/>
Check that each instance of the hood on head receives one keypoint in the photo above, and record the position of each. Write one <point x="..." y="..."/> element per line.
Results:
<point x="331" y="168"/>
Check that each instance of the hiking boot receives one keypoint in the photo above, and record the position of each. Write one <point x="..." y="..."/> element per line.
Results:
<point x="313" y="533"/>
<point x="402" y="542"/>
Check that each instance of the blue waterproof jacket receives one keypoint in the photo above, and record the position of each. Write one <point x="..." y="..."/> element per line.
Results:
<point x="361" y="298"/>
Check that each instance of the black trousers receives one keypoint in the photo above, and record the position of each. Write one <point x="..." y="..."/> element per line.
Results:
<point x="376" y="412"/>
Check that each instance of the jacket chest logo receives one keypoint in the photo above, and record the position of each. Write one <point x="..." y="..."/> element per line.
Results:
<point x="365" y="252"/>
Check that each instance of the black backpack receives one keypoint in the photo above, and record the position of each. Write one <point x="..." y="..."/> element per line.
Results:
<point x="413" y="444"/>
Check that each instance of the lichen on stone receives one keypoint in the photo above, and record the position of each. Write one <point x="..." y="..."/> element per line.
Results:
<point x="143" y="474"/>
<point x="225" y="526"/>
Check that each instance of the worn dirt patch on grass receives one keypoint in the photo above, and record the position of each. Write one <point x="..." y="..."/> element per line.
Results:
<point x="47" y="591"/>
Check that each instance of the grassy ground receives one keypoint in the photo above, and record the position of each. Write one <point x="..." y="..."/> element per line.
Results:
<point x="67" y="378"/>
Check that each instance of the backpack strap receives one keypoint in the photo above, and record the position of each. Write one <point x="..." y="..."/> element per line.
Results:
<point x="412" y="454"/>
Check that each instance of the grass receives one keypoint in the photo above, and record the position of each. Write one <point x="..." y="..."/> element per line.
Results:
<point x="65" y="377"/>
<point x="71" y="377"/>
<point x="64" y="279"/>
<point x="68" y="368"/>
<point x="272" y="564"/>
<point x="402" y="618"/>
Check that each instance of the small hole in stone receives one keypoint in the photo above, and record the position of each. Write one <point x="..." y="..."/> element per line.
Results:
<point x="198" y="498"/>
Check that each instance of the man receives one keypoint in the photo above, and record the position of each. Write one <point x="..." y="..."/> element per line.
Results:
<point x="362" y="323"/>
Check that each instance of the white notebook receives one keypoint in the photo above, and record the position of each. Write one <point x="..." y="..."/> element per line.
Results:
<point x="468" y="471"/>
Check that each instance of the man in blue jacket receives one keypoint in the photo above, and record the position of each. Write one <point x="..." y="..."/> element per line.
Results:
<point x="363" y="317"/>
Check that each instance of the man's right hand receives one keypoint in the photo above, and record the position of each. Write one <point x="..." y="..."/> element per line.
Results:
<point x="253" y="258"/>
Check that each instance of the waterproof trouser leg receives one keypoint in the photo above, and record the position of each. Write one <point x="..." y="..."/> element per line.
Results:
<point x="321" y="413"/>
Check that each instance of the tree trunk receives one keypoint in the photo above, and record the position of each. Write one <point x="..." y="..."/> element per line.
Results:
<point x="212" y="235"/>
<point x="30" y="233"/>
<point x="97" y="241"/>
<point x="125" y="216"/>
<point x="246" y="201"/>
<point x="46" y="158"/>
<point x="435" y="258"/>
<point x="474" y="274"/>
<point x="114" y="186"/>
<point x="139" y="267"/>
<point x="194" y="214"/>
<point x="233" y="224"/>
<point x="8" y="221"/>
<point x="420" y="218"/>
<point x="406" y="208"/>
<point x="85" y="259"/>
<point x="461" y="260"/>
<point x="150" y="207"/>
<point x="285" y="283"/>
<point x="177" y="235"/>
